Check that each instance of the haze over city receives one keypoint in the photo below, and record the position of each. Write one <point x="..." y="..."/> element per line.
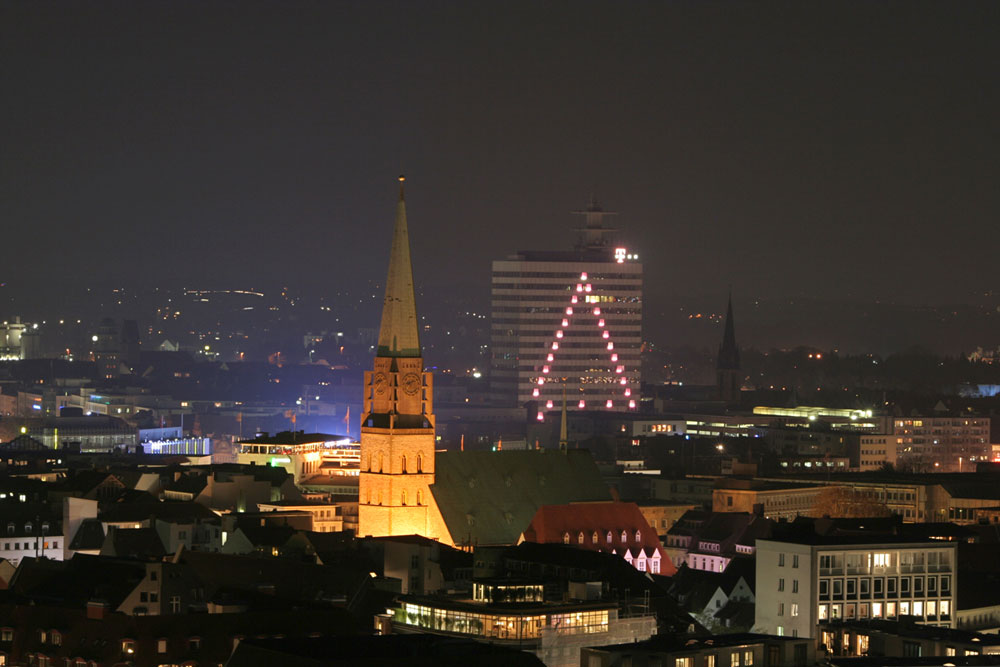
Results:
<point x="555" y="334"/>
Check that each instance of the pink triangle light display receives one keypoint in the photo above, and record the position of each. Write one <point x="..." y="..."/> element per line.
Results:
<point x="618" y="369"/>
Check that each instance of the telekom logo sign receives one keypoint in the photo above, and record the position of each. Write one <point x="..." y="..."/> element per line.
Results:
<point x="620" y="255"/>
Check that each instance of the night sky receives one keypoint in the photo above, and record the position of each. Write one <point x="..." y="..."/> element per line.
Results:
<point x="845" y="149"/>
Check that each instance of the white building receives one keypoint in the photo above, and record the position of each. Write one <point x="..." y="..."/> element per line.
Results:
<point x="301" y="454"/>
<point x="805" y="580"/>
<point x="21" y="538"/>
<point x="568" y="321"/>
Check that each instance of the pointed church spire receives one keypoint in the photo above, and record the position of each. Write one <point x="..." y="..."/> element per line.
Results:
<point x="729" y="353"/>
<point x="398" y="335"/>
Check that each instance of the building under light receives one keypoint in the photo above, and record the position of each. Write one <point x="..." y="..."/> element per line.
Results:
<point x="569" y="322"/>
<point x="301" y="454"/>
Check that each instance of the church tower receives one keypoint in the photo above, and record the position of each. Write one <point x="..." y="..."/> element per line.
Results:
<point x="397" y="427"/>
<point x="727" y="369"/>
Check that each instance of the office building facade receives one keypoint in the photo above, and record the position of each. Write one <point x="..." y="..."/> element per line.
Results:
<point x="801" y="583"/>
<point x="568" y="323"/>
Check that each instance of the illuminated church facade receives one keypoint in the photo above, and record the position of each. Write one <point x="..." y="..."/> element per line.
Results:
<point x="409" y="488"/>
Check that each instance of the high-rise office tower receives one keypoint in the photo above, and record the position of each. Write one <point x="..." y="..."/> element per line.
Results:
<point x="569" y="320"/>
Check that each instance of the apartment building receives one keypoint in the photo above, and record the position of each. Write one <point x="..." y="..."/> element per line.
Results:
<point x="806" y="579"/>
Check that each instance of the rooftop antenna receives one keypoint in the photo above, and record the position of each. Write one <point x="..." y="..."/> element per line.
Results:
<point x="592" y="234"/>
<point x="563" y="431"/>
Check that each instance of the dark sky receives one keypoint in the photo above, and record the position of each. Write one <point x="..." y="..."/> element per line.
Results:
<point x="819" y="149"/>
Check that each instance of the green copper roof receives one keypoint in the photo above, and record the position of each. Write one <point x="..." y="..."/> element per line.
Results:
<point x="398" y="336"/>
<point x="490" y="497"/>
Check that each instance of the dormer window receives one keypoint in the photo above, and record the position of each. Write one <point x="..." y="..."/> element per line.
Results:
<point x="594" y="537"/>
<point x="10" y="528"/>
<point x="579" y="538"/>
<point x="610" y="537"/>
<point x="638" y="536"/>
<point x="565" y="538"/>
<point x="624" y="536"/>
<point x="27" y="528"/>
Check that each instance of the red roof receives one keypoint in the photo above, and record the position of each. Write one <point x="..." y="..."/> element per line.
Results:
<point x="552" y="523"/>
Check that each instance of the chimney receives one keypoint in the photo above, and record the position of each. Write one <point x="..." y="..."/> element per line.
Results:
<point x="98" y="609"/>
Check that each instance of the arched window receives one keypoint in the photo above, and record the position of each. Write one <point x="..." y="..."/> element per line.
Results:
<point x="404" y="496"/>
<point x="638" y="536"/>
<point x="579" y="538"/>
<point x="565" y="538"/>
<point x="420" y="497"/>
<point x="593" y="538"/>
<point x="420" y="463"/>
<point x="404" y="466"/>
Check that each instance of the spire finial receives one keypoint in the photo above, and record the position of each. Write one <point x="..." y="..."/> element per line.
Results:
<point x="402" y="181"/>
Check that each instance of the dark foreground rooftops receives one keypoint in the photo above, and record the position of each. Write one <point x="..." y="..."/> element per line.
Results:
<point x="411" y="650"/>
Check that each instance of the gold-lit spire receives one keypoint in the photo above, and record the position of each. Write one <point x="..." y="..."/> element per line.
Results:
<point x="398" y="336"/>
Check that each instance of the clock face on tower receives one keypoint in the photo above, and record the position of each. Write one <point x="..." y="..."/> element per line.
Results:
<point x="411" y="383"/>
<point x="380" y="381"/>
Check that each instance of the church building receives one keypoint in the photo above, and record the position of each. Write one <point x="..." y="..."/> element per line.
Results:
<point x="459" y="498"/>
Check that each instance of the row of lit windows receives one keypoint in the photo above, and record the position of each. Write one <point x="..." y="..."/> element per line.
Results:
<point x="546" y="308"/>
<point x="595" y="537"/>
<point x="710" y="660"/>
<point x="500" y="626"/>
<point x="617" y="287"/>
<point x="838" y="589"/>
<point x="567" y="276"/>
<point x="30" y="545"/>
<point x="931" y="610"/>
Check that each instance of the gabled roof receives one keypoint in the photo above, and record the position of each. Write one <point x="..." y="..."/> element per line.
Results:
<point x="290" y="579"/>
<point x="74" y="582"/>
<point x="171" y="511"/>
<point x="142" y="543"/>
<point x="737" y="614"/>
<point x="552" y="523"/>
<point x="89" y="536"/>
<point x="491" y="497"/>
